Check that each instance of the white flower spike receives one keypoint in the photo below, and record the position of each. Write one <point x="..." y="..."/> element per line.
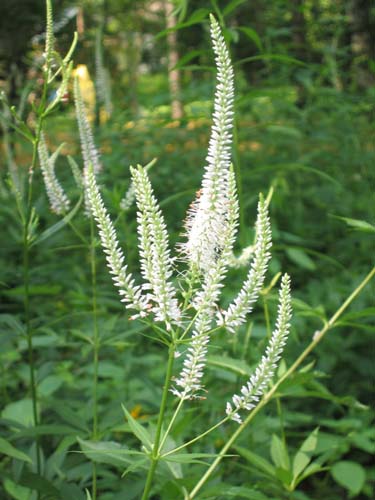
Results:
<point x="131" y="294"/>
<point x="89" y="152"/>
<point x="206" y="217"/>
<point x="258" y="382"/>
<point x="59" y="202"/>
<point x="243" y="304"/>
<point x="156" y="263"/>
<point x="189" y="384"/>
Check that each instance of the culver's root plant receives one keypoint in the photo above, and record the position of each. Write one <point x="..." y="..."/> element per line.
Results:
<point x="179" y="299"/>
<point x="179" y="296"/>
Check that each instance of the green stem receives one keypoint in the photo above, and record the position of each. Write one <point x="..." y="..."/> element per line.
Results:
<point x="29" y="335"/>
<point x="197" y="438"/>
<point x="173" y="419"/>
<point x="267" y="317"/>
<point x="26" y="278"/>
<point x="318" y="336"/>
<point x="155" y="455"/>
<point x="96" y="347"/>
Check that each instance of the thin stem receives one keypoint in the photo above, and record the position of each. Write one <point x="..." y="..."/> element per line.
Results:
<point x="96" y="347"/>
<point x="197" y="438"/>
<point x="318" y="336"/>
<point x="267" y="316"/>
<point x="155" y="455"/>
<point x="173" y="419"/>
<point x="29" y="335"/>
<point x="26" y="219"/>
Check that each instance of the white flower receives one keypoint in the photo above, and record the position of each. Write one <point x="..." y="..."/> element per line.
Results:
<point x="131" y="294"/>
<point x="189" y="382"/>
<point x="258" y="382"/>
<point x="156" y="263"/>
<point x="208" y="212"/>
<point x="89" y="152"/>
<point x="58" y="200"/>
<point x="243" y="304"/>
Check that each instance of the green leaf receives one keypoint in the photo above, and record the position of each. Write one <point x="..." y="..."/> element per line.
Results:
<point x="357" y="224"/>
<point x="46" y="430"/>
<point x="311" y="469"/>
<point x="197" y="17"/>
<point x="138" y="430"/>
<point x="20" y="411"/>
<point x="188" y="57"/>
<point x="350" y="475"/>
<point x="279" y="453"/>
<point x="309" y="445"/>
<point x="256" y="460"/>
<point x="303" y="455"/>
<point x="223" y="491"/>
<point x="33" y="290"/>
<point x="8" y="449"/>
<point x="299" y="257"/>
<point x="49" y="385"/>
<point x="231" y="364"/>
<point x="271" y="57"/>
<point x="59" y="225"/>
<point x="232" y="6"/>
<point x="253" y="35"/>
<point x="187" y="458"/>
<point x="16" y="491"/>
<point x="88" y="496"/>
<point x="140" y="463"/>
<point x="108" y="452"/>
<point x="38" y="483"/>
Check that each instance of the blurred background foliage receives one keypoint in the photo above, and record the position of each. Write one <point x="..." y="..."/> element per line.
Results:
<point x="304" y="125"/>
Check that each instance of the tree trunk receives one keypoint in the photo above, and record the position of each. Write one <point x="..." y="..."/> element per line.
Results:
<point x="173" y="57"/>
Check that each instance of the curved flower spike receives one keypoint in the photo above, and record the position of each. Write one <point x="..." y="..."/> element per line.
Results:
<point x="132" y="294"/>
<point x="58" y="200"/>
<point x="256" y="386"/>
<point x="89" y="152"/>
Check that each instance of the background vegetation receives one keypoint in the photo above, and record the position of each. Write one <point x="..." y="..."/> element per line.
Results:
<point x="304" y="126"/>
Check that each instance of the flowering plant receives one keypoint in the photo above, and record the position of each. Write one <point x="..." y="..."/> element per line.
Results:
<point x="186" y="321"/>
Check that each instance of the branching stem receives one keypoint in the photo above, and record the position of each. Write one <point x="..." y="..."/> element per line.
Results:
<point x="155" y="453"/>
<point x="268" y="396"/>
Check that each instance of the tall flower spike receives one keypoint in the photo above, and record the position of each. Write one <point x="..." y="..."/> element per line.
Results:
<point x="50" y="38"/>
<point x="59" y="202"/>
<point x="189" y="383"/>
<point x="156" y="263"/>
<point x="131" y="294"/>
<point x="205" y="218"/>
<point x="243" y="304"/>
<point x="89" y="151"/>
<point x="256" y="386"/>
